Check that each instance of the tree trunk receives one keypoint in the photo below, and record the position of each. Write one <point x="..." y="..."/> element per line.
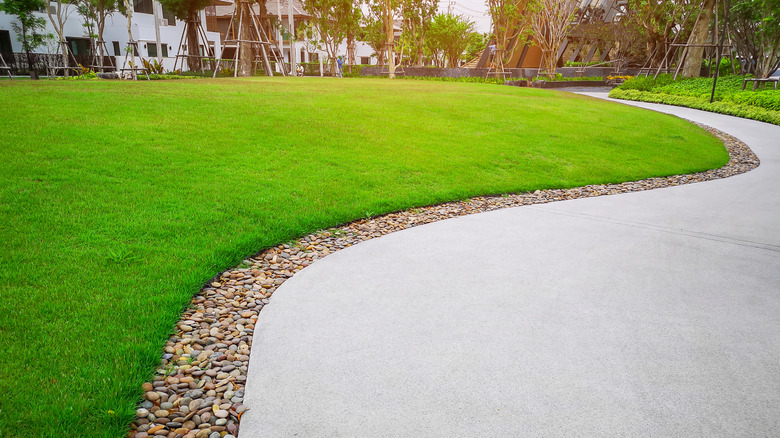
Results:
<point x="100" y="26"/>
<point x="193" y="48"/>
<point x="389" y="39"/>
<point x="129" y="9"/>
<point x="701" y="29"/>
<point x="246" y="51"/>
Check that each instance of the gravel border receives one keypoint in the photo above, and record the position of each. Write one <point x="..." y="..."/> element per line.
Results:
<point x="198" y="388"/>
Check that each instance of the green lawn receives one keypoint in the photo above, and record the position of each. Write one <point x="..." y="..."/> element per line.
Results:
<point x="118" y="200"/>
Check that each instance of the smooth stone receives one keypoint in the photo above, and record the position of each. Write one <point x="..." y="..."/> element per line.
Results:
<point x="221" y="413"/>
<point x="166" y="405"/>
<point x="142" y="412"/>
<point x="161" y="413"/>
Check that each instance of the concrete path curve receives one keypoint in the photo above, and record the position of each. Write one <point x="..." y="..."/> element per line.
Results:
<point x="654" y="313"/>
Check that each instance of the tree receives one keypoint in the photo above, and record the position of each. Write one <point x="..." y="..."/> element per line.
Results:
<point x="95" y="13"/>
<point x="661" y="21"/>
<point x="373" y="30"/>
<point x="188" y="10"/>
<point x="701" y="29"/>
<point x="332" y="20"/>
<point x="28" y="27"/>
<point x="550" y="25"/>
<point x="450" y="33"/>
<point x="58" y="19"/>
<point x="416" y="16"/>
<point x="756" y="26"/>
<point x="511" y="24"/>
<point x="389" y="9"/>
<point x="477" y="43"/>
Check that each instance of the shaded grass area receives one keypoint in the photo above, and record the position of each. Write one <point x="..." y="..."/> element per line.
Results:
<point x="762" y="104"/>
<point x="118" y="200"/>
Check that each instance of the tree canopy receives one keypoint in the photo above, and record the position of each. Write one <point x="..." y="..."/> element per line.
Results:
<point x="450" y="34"/>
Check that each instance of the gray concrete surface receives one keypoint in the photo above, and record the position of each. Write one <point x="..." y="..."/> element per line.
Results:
<point x="645" y="314"/>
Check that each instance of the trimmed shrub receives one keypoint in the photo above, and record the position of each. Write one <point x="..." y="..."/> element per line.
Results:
<point x="722" y="107"/>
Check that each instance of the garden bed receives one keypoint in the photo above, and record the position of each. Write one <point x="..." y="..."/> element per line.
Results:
<point x="567" y="84"/>
<point x="729" y="99"/>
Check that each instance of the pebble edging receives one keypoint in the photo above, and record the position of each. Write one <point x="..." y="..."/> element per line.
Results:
<point x="198" y="388"/>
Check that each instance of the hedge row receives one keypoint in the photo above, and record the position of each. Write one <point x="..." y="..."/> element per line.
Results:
<point x="722" y="107"/>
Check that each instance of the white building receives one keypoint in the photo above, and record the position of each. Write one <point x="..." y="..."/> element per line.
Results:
<point x="156" y="30"/>
<point x="278" y="11"/>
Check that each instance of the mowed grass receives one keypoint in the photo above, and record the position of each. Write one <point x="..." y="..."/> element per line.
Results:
<point x="119" y="200"/>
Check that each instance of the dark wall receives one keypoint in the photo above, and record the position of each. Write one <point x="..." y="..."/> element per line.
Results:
<point x="567" y="72"/>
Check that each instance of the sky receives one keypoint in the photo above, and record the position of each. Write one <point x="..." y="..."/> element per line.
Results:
<point x="474" y="10"/>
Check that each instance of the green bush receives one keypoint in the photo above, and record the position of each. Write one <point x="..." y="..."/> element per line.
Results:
<point x="647" y="83"/>
<point x="722" y="107"/>
<point x="768" y="100"/>
<point x="466" y="79"/>
<point x="727" y="90"/>
<point x="165" y="76"/>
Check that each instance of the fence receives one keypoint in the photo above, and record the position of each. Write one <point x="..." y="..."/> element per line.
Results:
<point x="42" y="62"/>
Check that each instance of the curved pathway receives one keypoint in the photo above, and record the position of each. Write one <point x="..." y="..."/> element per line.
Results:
<point x="653" y="313"/>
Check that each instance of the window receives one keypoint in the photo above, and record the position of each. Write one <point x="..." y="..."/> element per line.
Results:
<point x="5" y="42"/>
<point x="79" y="46"/>
<point x="168" y="15"/>
<point x="365" y="60"/>
<point x="164" y="49"/>
<point x="151" y="49"/>
<point x="143" y="6"/>
<point x="117" y="50"/>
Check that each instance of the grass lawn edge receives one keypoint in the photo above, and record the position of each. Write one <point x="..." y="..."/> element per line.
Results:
<point x="278" y="263"/>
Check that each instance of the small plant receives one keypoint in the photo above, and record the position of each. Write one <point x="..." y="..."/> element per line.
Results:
<point x="85" y="70"/>
<point x="153" y="67"/>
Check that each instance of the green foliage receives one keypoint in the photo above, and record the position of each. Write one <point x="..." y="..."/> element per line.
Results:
<point x="728" y="89"/>
<point x="756" y="25"/>
<point x="724" y="70"/>
<point x="167" y="76"/>
<point x="579" y="64"/>
<point x="560" y="78"/>
<point x="449" y="35"/>
<point x="27" y="25"/>
<point x="732" y="108"/>
<point x="646" y="83"/>
<point x="416" y="16"/>
<point x="476" y="45"/>
<point x="153" y="67"/>
<point x="330" y="23"/>
<point x="462" y="79"/>
<point x="183" y="9"/>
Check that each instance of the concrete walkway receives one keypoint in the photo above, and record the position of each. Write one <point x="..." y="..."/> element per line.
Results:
<point x="645" y="314"/>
